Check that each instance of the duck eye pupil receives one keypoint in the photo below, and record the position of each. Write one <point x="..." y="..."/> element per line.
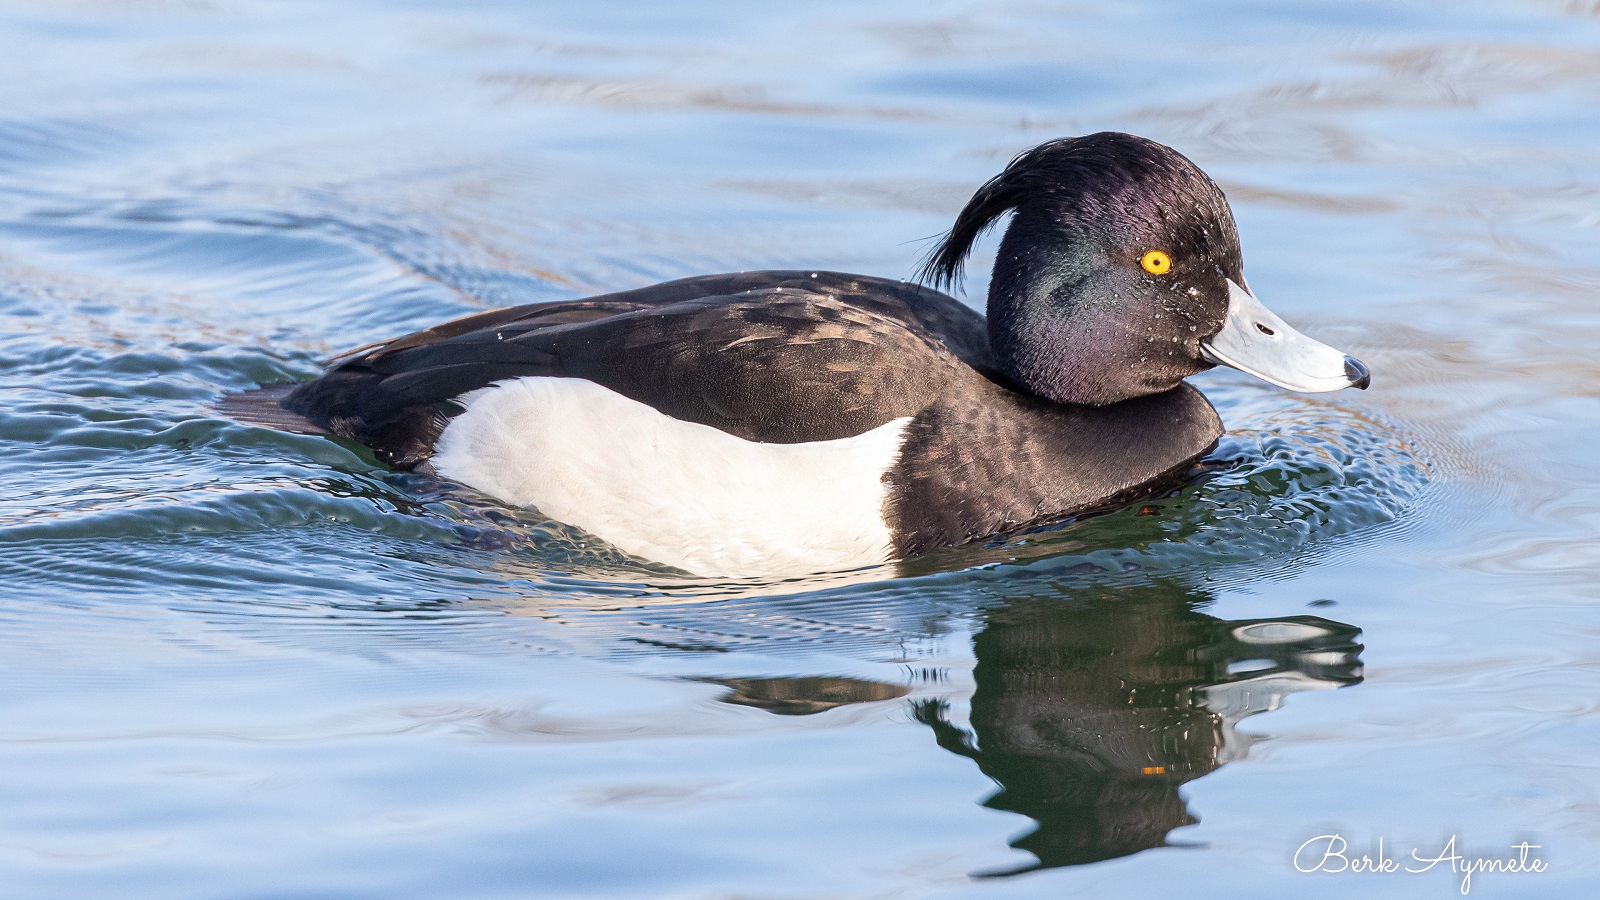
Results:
<point x="1265" y="330"/>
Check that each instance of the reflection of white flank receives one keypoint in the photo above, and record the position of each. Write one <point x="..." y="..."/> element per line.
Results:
<point x="1268" y="681"/>
<point x="676" y="492"/>
<point x="1277" y="633"/>
<point x="1236" y="700"/>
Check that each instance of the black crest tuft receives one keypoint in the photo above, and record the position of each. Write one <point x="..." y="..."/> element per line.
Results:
<point x="1049" y="171"/>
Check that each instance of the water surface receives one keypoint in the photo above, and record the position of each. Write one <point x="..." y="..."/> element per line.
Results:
<point x="240" y="663"/>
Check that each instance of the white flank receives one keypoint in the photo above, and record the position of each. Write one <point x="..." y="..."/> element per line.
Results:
<point x="676" y="492"/>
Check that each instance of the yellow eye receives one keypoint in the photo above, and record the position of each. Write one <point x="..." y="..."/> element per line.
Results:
<point x="1156" y="263"/>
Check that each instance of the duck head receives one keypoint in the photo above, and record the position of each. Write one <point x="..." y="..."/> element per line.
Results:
<point x="1120" y="275"/>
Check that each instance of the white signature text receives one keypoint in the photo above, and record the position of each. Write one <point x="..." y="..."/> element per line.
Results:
<point x="1331" y="853"/>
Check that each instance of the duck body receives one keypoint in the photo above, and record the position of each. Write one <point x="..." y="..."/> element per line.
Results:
<point x="526" y="404"/>
<point x="792" y="421"/>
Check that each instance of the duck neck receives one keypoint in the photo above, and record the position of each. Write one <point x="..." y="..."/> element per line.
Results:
<point x="1038" y="325"/>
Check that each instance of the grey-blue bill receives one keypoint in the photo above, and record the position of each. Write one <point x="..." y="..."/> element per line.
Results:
<point x="1254" y="339"/>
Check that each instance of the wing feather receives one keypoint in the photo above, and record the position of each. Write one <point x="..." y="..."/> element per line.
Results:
<point x="778" y="357"/>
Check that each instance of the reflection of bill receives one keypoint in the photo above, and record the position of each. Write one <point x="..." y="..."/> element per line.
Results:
<point x="1091" y="710"/>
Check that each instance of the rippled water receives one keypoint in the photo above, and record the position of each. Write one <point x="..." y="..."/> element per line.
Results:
<point x="244" y="663"/>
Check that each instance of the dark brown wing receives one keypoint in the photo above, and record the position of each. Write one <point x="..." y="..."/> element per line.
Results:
<point x="832" y="357"/>
<point x="955" y="325"/>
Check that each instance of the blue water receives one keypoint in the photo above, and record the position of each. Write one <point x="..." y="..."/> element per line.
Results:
<point x="240" y="663"/>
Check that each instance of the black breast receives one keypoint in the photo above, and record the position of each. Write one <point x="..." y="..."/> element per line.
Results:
<point x="984" y="460"/>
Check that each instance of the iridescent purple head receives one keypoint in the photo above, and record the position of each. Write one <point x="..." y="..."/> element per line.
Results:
<point x="1120" y="275"/>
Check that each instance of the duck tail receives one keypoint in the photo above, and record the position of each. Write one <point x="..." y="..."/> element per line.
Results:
<point x="263" y="406"/>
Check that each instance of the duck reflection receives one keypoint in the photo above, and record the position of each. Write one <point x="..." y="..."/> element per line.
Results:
<point x="1094" y="706"/>
<point x="1091" y="710"/>
<point x="804" y="696"/>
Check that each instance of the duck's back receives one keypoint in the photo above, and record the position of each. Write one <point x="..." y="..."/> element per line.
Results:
<point x="776" y="357"/>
